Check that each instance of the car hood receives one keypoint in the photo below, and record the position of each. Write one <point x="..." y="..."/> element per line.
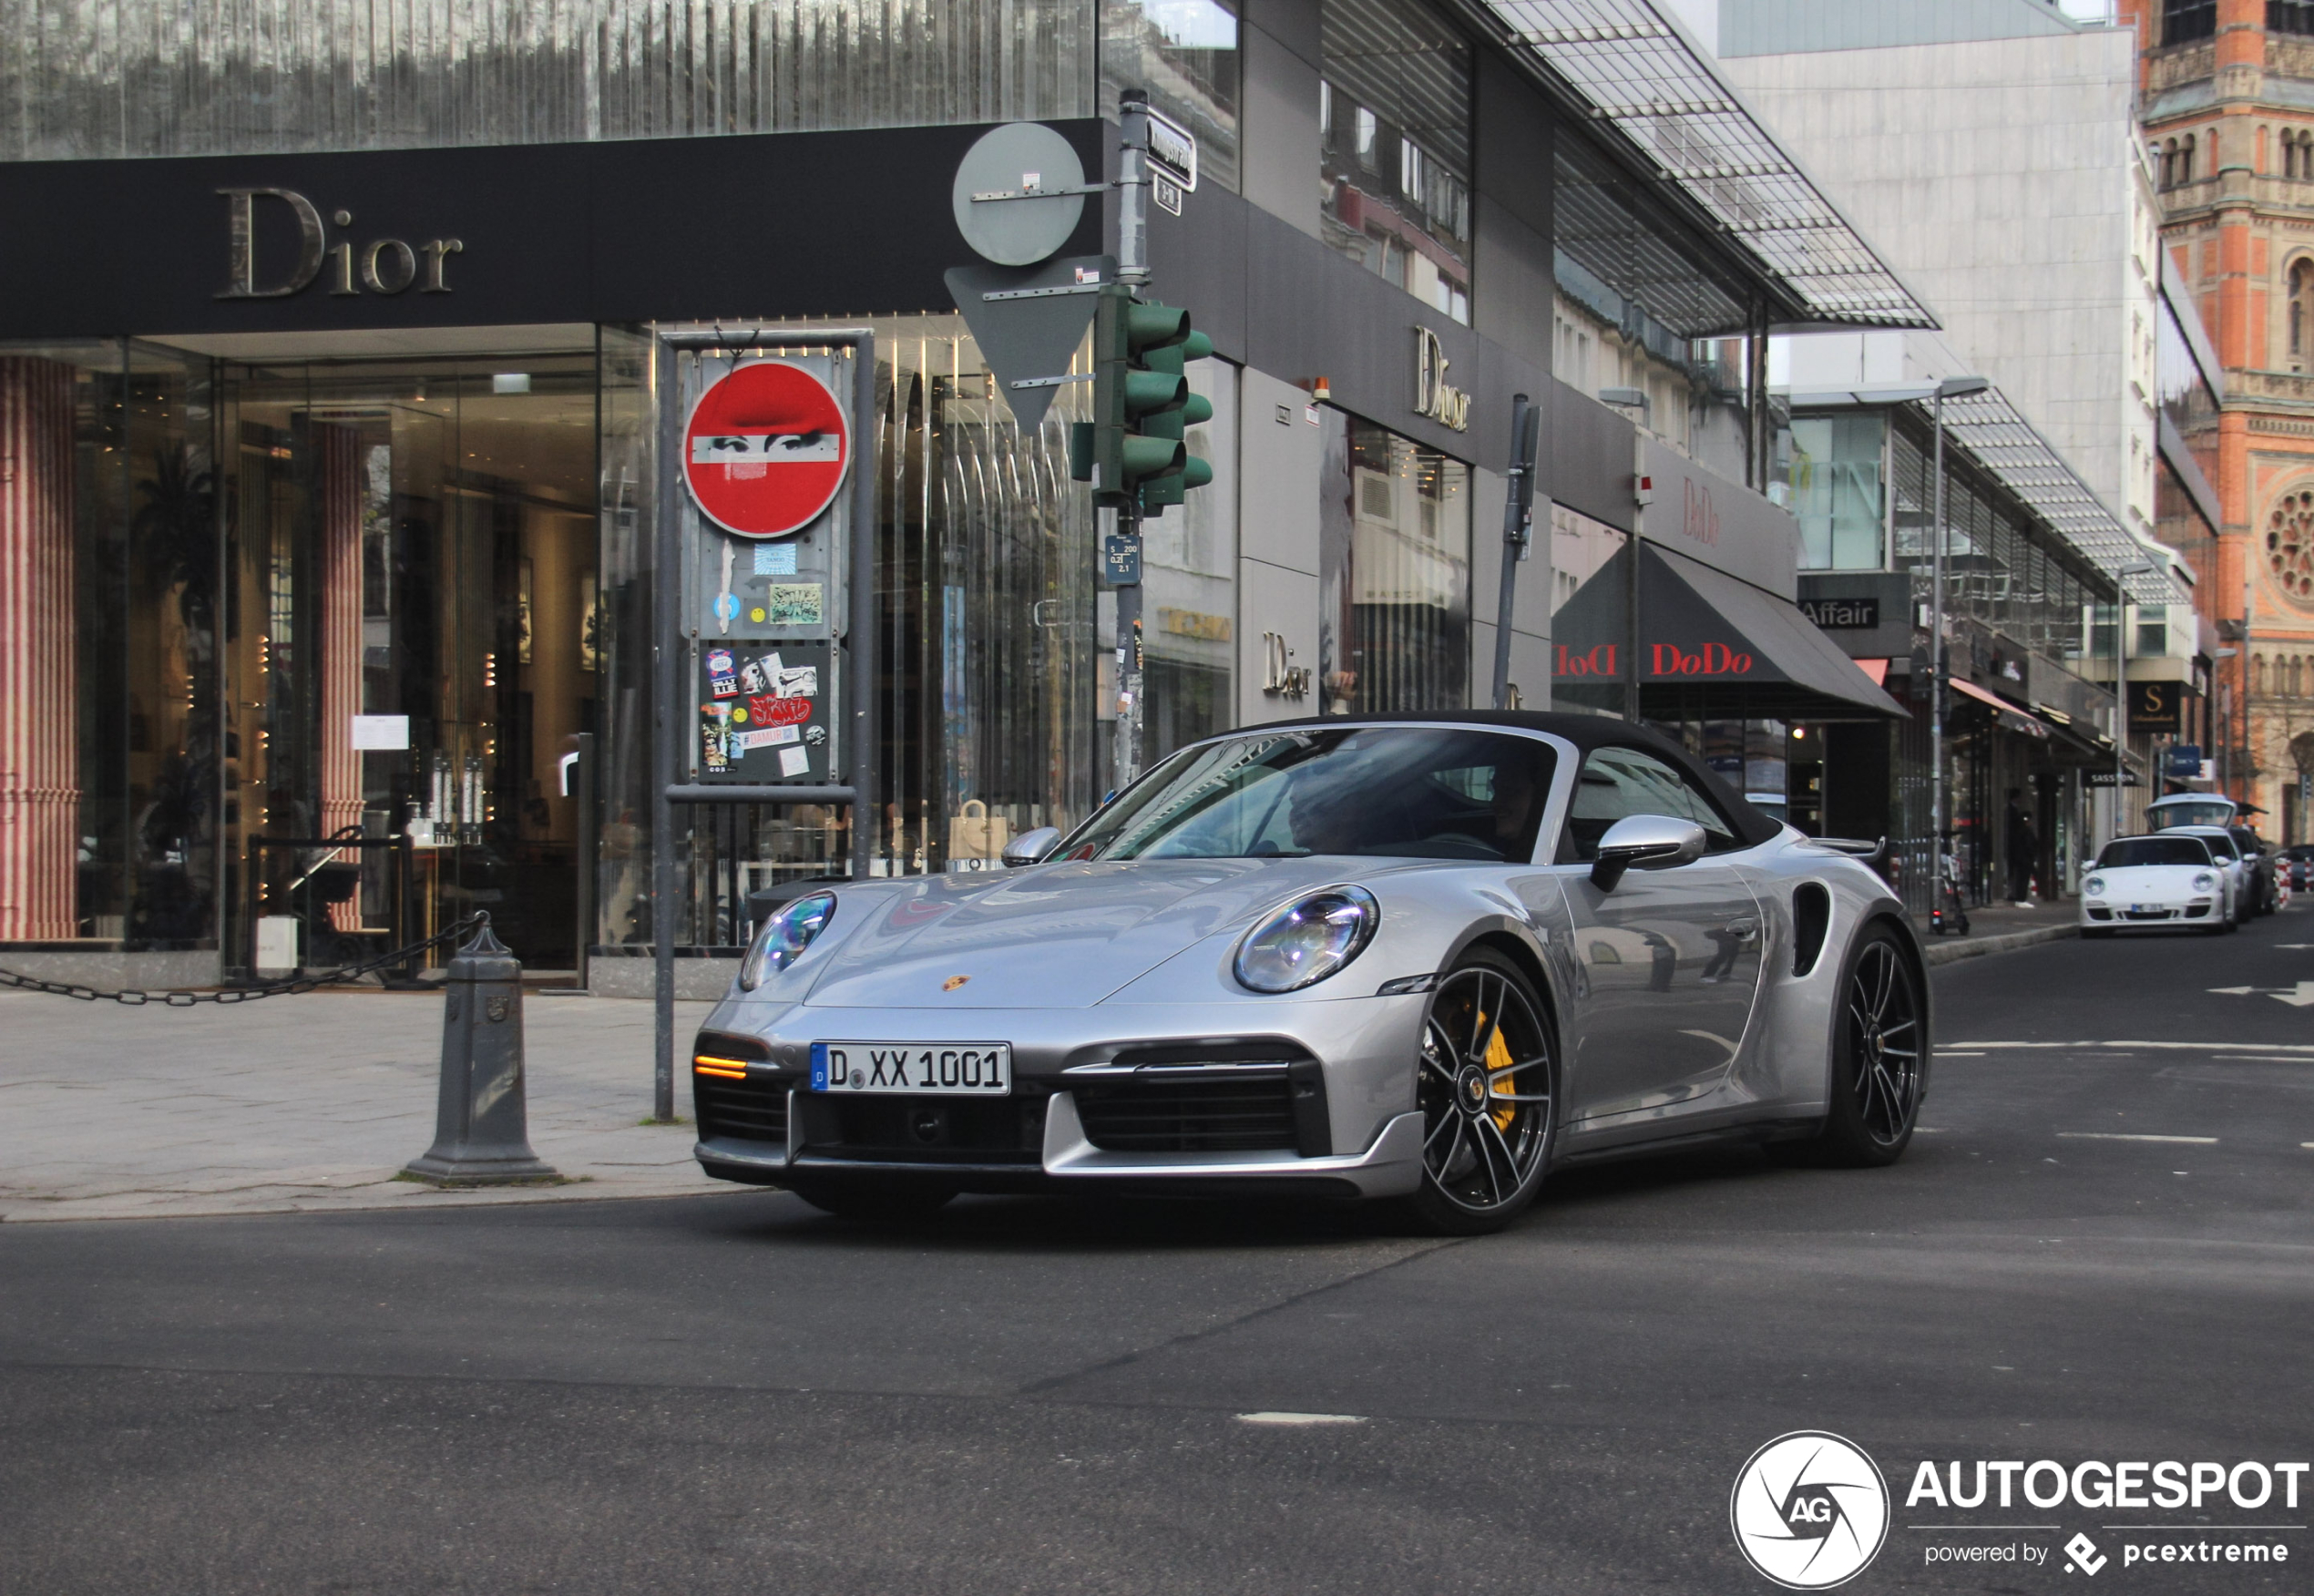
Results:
<point x="2145" y="880"/>
<point x="1052" y="936"/>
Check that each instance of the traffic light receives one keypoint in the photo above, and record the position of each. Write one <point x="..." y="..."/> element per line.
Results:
<point x="1171" y="488"/>
<point x="1132" y="449"/>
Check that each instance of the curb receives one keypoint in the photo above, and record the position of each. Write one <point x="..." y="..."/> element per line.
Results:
<point x="1939" y="950"/>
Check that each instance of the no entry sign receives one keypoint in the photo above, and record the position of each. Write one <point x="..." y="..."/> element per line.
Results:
<point x="766" y="449"/>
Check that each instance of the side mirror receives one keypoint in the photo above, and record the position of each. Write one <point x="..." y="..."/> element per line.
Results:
<point x="1030" y="846"/>
<point x="1645" y="841"/>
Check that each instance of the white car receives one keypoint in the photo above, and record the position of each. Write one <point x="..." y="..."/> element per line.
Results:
<point x="2238" y="868"/>
<point x="2168" y="879"/>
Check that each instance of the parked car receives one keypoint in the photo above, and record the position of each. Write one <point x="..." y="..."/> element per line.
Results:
<point x="1417" y="958"/>
<point x="2266" y="894"/>
<point x="2166" y="880"/>
<point x="2240" y="882"/>
<point x="2191" y="809"/>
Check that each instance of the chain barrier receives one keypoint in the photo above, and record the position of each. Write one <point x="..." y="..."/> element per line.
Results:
<point x="181" y="998"/>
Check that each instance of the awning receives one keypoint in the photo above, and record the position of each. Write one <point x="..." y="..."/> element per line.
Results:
<point x="2010" y="717"/>
<point x="1704" y="632"/>
<point x="1877" y="669"/>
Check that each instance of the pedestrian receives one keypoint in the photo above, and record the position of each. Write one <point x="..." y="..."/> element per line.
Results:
<point x="2024" y="847"/>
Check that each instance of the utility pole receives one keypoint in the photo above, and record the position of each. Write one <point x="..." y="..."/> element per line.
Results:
<point x="1518" y="526"/>
<point x="1950" y="387"/>
<point x="1132" y="270"/>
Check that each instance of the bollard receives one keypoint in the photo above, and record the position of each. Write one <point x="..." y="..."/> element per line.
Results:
<point x="481" y="1135"/>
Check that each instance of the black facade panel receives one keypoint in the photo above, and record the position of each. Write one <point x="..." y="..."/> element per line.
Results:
<point x="1590" y="453"/>
<point x="786" y="224"/>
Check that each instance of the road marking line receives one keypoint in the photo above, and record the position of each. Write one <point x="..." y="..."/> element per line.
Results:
<point x="1299" y="1418"/>
<point x="2117" y="1136"/>
<point x="2298" y="1048"/>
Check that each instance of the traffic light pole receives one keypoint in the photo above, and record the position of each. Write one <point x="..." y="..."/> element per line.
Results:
<point x="1132" y="270"/>
<point x="1517" y="521"/>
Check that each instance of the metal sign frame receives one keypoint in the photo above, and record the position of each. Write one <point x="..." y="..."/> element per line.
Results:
<point x="673" y="726"/>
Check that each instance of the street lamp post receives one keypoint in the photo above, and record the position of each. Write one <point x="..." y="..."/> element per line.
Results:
<point x="2122" y="573"/>
<point x="1950" y="388"/>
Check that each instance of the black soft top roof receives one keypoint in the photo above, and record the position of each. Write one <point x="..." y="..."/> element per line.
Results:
<point x="1586" y="732"/>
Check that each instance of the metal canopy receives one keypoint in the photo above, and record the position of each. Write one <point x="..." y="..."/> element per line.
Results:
<point x="1990" y="430"/>
<point x="1640" y="73"/>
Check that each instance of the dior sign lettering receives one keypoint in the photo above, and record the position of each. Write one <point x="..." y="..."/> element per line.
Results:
<point x="382" y="266"/>
<point x="1433" y="397"/>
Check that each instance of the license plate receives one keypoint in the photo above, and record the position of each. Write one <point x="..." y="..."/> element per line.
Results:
<point x="914" y="1068"/>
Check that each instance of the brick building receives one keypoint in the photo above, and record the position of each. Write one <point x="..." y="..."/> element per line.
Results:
<point x="2228" y="110"/>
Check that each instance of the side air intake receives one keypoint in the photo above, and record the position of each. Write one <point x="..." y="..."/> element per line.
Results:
<point x="1811" y="918"/>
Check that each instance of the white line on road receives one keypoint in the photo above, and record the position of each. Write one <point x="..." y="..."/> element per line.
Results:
<point x="2301" y="1049"/>
<point x="2117" y="1136"/>
<point x="1299" y="1418"/>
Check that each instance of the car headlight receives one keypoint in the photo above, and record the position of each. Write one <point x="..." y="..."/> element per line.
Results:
<point x="2094" y="885"/>
<point x="784" y="937"/>
<point x="2204" y="882"/>
<point x="1306" y="942"/>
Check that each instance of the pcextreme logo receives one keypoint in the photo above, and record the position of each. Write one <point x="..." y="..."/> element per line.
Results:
<point x="1810" y="1510"/>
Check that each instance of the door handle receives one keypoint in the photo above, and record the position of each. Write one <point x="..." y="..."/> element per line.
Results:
<point x="1743" y="930"/>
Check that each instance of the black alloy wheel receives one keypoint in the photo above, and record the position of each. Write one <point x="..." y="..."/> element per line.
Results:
<point x="1879" y="1054"/>
<point x="1487" y="1083"/>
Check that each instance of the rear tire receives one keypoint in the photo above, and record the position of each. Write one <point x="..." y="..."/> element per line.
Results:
<point x="897" y="1204"/>
<point x="1881" y="1049"/>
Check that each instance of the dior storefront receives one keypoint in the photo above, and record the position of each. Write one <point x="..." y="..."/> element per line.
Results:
<point x="328" y="409"/>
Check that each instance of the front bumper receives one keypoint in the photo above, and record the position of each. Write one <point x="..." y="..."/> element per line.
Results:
<point x="1318" y="1102"/>
<point x="2197" y="910"/>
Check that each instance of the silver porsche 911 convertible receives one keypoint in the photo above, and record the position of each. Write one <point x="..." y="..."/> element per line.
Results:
<point x="1426" y="959"/>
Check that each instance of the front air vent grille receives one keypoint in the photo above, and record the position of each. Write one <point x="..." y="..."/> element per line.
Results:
<point x="1811" y="918"/>
<point x="1189" y="1113"/>
<point x="744" y="1110"/>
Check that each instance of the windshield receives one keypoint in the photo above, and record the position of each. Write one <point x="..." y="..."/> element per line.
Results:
<point x="1406" y="791"/>
<point x="2125" y="852"/>
<point x="2205" y="812"/>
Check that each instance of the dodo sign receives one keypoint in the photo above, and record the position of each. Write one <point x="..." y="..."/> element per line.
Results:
<point x="766" y="449"/>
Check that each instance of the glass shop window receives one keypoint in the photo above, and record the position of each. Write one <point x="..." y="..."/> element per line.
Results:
<point x="1186" y="53"/>
<point x="1393" y="573"/>
<point x="1394" y="118"/>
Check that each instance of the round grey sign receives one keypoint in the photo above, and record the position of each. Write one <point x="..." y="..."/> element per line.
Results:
<point x="1019" y="157"/>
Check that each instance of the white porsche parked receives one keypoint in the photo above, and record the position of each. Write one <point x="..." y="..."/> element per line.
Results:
<point x="2168" y="879"/>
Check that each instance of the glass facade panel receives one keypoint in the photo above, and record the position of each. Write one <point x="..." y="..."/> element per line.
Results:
<point x="1637" y="307"/>
<point x="1394" y="117"/>
<point x="1186" y="54"/>
<point x="1836" y="491"/>
<point x="1583" y="550"/>
<point x="1394" y="572"/>
<point x="88" y="78"/>
<point x="1189" y="586"/>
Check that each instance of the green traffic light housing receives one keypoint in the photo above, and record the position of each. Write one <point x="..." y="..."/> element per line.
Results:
<point x="1133" y="450"/>
<point x="1171" y="488"/>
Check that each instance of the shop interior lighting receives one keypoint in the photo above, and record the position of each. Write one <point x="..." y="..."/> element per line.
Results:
<point x="1640" y="73"/>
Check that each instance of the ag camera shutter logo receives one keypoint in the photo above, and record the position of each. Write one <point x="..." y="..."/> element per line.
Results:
<point x="1810" y="1510"/>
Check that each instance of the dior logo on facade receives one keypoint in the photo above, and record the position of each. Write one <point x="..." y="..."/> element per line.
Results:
<point x="1433" y="397"/>
<point x="384" y="266"/>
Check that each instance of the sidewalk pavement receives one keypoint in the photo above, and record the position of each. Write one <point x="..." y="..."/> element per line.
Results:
<point x="2002" y="928"/>
<point x="312" y="1102"/>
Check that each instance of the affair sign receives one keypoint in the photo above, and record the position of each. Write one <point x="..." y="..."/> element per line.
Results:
<point x="765" y="449"/>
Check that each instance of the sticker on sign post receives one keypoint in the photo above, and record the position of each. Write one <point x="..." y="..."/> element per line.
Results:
<point x="766" y="449"/>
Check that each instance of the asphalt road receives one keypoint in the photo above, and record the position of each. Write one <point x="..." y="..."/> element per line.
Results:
<point x="732" y="1394"/>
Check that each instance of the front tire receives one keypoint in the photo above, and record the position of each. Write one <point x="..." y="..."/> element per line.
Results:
<point x="1879" y="1054"/>
<point x="1487" y="1081"/>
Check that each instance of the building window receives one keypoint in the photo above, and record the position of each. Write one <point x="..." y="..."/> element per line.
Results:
<point x="2289" y="546"/>
<point x="1185" y="53"/>
<point x="2186" y="161"/>
<point x="1836" y="491"/>
<point x="2289" y="17"/>
<point x="1394" y="111"/>
<point x="1393" y="573"/>
<point x="2185" y="20"/>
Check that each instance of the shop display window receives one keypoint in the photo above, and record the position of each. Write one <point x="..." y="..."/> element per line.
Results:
<point x="1393" y="573"/>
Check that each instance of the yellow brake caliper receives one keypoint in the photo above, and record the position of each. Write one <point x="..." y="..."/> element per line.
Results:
<point x="1498" y="1059"/>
